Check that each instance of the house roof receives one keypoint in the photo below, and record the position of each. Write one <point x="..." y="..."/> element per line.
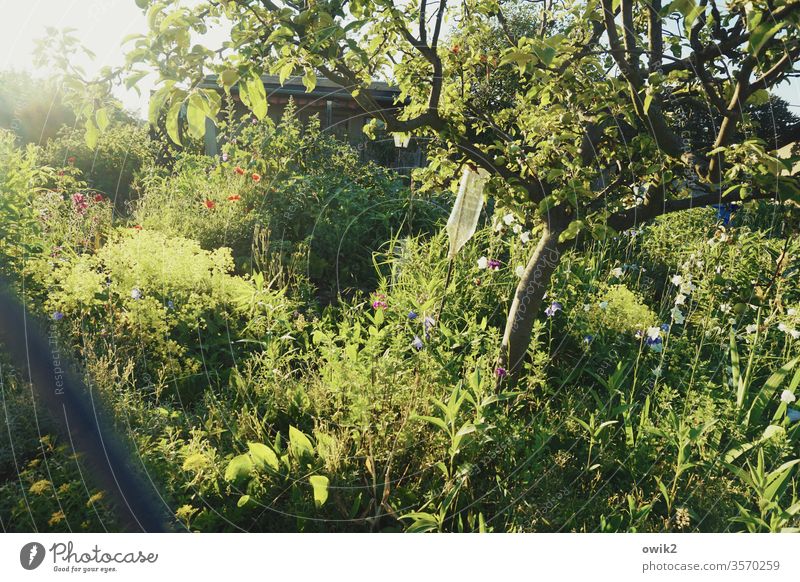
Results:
<point x="325" y="88"/>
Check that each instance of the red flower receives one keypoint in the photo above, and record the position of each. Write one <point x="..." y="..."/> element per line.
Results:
<point x="98" y="198"/>
<point x="210" y="204"/>
<point x="80" y="202"/>
<point x="234" y="198"/>
<point x="239" y="170"/>
<point x="137" y="227"/>
<point x="456" y="48"/>
<point x="71" y="160"/>
<point x="256" y="178"/>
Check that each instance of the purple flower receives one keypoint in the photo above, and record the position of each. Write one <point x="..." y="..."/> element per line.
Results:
<point x="639" y="334"/>
<point x="554" y="308"/>
<point x="412" y="315"/>
<point x="58" y="316"/>
<point x="587" y="339"/>
<point x="493" y="264"/>
<point x="665" y="327"/>
<point x="500" y="372"/>
<point x="135" y="293"/>
<point x="378" y="304"/>
<point x="417" y="343"/>
<point x="428" y="322"/>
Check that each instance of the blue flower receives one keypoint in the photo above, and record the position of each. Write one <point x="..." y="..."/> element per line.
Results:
<point x="655" y="343"/>
<point x="58" y="316"/>
<point x="428" y="323"/>
<point x="170" y="304"/>
<point x="793" y="414"/>
<point x="417" y="343"/>
<point x="587" y="339"/>
<point x="665" y="327"/>
<point x="554" y="308"/>
<point x="724" y="212"/>
<point x="412" y="315"/>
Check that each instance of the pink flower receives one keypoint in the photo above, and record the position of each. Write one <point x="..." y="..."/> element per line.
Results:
<point x="80" y="202"/>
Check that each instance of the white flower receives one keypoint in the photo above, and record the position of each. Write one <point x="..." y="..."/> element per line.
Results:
<point x="603" y="305"/>
<point x="517" y="228"/>
<point x="657" y="371"/>
<point x="617" y="272"/>
<point x="508" y="219"/>
<point x="782" y="327"/>
<point x="725" y="307"/>
<point x="586" y="307"/>
<point x="519" y="271"/>
<point x="680" y="299"/>
<point x="676" y="280"/>
<point x="751" y="328"/>
<point x="677" y="315"/>
<point x="794" y="333"/>
<point x="483" y="262"/>
<point x="791" y="312"/>
<point x="654" y="332"/>
<point x="525" y="237"/>
<point x="687" y="287"/>
<point x="787" y="397"/>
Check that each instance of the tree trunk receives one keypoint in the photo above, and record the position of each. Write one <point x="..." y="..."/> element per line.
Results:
<point x="528" y="301"/>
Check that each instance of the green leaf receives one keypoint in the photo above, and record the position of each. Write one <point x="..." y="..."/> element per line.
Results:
<point x="263" y="456"/>
<point x="196" y="116"/>
<point x="571" y="231"/>
<point x="768" y="390"/>
<point x="647" y="101"/>
<point x="432" y="420"/>
<point x="310" y="80"/>
<point x="101" y="116"/>
<point x="299" y="444"/>
<point x="228" y="78"/>
<point x="320" y="485"/>
<point x="91" y="134"/>
<point x="257" y="95"/>
<point x="239" y="468"/>
<point x="173" y="122"/>
<point x="243" y="500"/>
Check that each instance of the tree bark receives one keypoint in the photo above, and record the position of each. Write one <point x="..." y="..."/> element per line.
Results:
<point x="528" y="301"/>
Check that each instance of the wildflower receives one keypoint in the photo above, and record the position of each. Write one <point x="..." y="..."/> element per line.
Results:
<point x="654" y="333"/>
<point x="616" y="272"/>
<point x="494" y="264"/>
<point x="665" y="327"/>
<point x="516" y="229"/>
<point x="417" y="343"/>
<point x="554" y="308"/>
<point x="256" y="177"/>
<point x="58" y="316"/>
<point x="500" y="372"/>
<point x="680" y="299"/>
<point x="136" y="293"/>
<point x="455" y="49"/>
<point x="724" y="211"/>
<point x="790" y="312"/>
<point x="657" y="371"/>
<point x="412" y="315"/>
<point x="239" y="170"/>
<point x="234" y="198"/>
<point x="224" y="157"/>
<point x="519" y="271"/>
<point x="656" y="344"/>
<point x="682" y="518"/>
<point x="210" y="204"/>
<point x="71" y="160"/>
<point x="782" y="327"/>
<point x="508" y="219"/>
<point x="98" y="197"/>
<point x="80" y="202"/>
<point x="586" y="307"/>
<point x="687" y="287"/>
<point x="483" y="262"/>
<point x="427" y="323"/>
<point x="752" y="328"/>
<point x="525" y="237"/>
<point x="379" y="302"/>
<point x="793" y="414"/>
<point x="137" y="227"/>
<point x="676" y="280"/>
<point x="677" y="315"/>
<point x="725" y="307"/>
<point x="603" y="305"/>
<point x="788" y="397"/>
<point x="587" y="339"/>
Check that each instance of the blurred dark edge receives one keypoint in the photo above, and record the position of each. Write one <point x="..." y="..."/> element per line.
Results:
<point x="81" y="419"/>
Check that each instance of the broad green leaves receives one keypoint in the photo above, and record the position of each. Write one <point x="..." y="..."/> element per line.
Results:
<point x="319" y="483"/>
<point x="253" y="94"/>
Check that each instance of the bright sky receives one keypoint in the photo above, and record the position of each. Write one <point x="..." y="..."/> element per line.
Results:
<point x="101" y="25"/>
